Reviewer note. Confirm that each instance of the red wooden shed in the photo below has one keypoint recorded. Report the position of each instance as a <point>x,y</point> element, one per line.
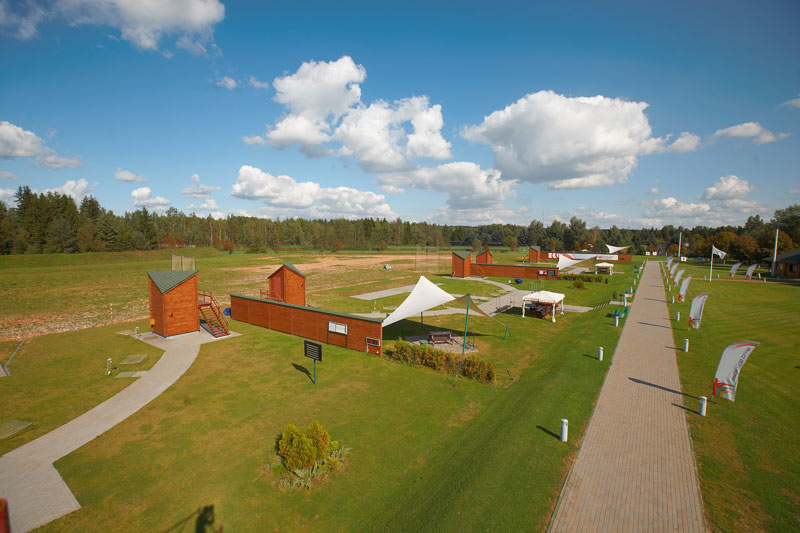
<point>484,258</point>
<point>461,266</point>
<point>287,284</point>
<point>534,254</point>
<point>173,302</point>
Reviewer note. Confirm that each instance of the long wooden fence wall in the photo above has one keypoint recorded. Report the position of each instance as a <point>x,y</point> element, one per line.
<point>348,331</point>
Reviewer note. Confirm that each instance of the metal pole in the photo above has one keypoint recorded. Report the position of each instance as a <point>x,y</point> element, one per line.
<point>464,343</point>
<point>711,272</point>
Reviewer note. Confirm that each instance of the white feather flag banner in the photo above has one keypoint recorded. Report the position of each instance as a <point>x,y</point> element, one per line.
<point>678,277</point>
<point>730,366</point>
<point>749,273</point>
<point>696,311</point>
<point>734,268</point>
<point>684,288</point>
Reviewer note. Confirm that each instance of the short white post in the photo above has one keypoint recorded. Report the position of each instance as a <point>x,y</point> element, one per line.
<point>108,367</point>
<point>564,429</point>
<point>759,275</point>
<point>600,353</point>
<point>616,321</point>
<point>685,345</point>
<point>702,410</point>
<point>673,299</point>
<point>137,330</point>
<point>677,316</point>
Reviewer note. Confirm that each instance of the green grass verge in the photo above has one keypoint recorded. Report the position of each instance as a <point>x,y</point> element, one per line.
<point>54,378</point>
<point>747,451</point>
<point>425,455</point>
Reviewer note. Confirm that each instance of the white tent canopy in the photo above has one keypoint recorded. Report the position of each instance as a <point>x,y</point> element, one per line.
<point>424,296</point>
<point>615,249</point>
<point>546,298</point>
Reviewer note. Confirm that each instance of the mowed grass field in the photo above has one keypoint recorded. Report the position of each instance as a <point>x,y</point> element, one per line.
<point>747,450</point>
<point>424,454</point>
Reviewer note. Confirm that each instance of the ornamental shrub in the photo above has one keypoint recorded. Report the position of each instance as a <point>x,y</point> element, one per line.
<point>319,438</point>
<point>442,361</point>
<point>295,449</point>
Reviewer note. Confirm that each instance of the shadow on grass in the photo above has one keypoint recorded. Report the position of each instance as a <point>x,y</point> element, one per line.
<point>303,370</point>
<point>685,408</point>
<point>642,382</point>
<point>589,356</point>
<point>554,435</point>
<point>204,521</point>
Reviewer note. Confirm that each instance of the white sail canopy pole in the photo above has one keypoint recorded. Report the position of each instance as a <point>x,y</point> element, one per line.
<point>615,249</point>
<point>424,296</point>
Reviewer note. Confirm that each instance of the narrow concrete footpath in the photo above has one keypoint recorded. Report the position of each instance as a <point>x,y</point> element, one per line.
<point>635,470</point>
<point>35,491</point>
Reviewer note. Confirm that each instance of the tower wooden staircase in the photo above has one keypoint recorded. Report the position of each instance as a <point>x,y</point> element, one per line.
<point>212,314</point>
<point>474,267</point>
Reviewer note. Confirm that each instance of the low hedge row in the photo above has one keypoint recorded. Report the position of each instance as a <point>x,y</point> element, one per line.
<point>441,360</point>
<point>596,278</point>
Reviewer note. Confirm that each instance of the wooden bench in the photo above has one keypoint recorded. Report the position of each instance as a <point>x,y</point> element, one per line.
<point>440,336</point>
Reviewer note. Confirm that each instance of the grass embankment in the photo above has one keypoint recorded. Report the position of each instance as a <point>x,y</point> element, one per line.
<point>54,378</point>
<point>424,454</point>
<point>747,451</point>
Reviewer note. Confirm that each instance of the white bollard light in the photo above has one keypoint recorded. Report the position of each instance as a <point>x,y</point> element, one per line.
<point>685,345</point>
<point>673,299</point>
<point>564,429</point>
<point>677,316</point>
<point>137,330</point>
<point>600,353</point>
<point>703,402</point>
<point>616,321</point>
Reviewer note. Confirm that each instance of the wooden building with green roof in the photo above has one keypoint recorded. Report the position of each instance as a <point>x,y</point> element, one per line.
<point>173,302</point>
<point>288,285</point>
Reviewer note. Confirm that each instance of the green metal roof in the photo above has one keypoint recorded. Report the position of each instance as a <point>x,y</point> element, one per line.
<point>484,252</point>
<point>462,255</point>
<point>792,256</point>
<point>290,267</point>
<point>166,280</point>
<point>326,311</point>
<point>537,248</point>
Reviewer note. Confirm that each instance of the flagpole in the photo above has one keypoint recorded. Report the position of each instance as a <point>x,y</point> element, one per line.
<point>711,272</point>
<point>464,342</point>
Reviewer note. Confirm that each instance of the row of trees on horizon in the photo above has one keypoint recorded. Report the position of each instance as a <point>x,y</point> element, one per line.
<point>53,223</point>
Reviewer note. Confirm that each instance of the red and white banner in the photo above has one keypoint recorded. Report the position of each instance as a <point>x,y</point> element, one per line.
<point>749,273</point>
<point>684,288</point>
<point>678,277</point>
<point>696,311</point>
<point>730,365</point>
<point>581,257</point>
<point>734,268</point>
<point>672,270</point>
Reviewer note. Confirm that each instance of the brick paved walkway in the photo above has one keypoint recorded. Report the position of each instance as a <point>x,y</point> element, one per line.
<point>635,470</point>
<point>35,491</point>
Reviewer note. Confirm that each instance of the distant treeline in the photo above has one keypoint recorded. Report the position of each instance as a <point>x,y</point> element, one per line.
<point>54,223</point>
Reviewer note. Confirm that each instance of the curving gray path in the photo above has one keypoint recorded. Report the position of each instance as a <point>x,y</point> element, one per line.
<point>635,470</point>
<point>35,491</point>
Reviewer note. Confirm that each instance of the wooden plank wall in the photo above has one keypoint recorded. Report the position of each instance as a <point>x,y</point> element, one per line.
<point>295,287</point>
<point>307,322</point>
<point>520,271</point>
<point>461,267</point>
<point>156,308</point>
<point>180,308</point>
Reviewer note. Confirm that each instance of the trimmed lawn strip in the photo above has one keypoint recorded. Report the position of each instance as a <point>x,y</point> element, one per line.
<point>746,450</point>
<point>424,455</point>
<point>55,378</point>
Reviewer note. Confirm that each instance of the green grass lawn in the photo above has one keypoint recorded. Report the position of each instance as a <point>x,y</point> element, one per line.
<point>424,454</point>
<point>54,378</point>
<point>747,451</point>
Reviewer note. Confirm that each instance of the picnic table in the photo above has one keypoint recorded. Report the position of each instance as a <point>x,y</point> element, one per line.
<point>440,336</point>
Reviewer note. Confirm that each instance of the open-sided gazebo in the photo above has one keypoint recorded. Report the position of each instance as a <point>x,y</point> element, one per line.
<point>542,301</point>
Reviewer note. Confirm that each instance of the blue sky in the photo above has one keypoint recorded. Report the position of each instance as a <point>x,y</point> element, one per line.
<point>626,114</point>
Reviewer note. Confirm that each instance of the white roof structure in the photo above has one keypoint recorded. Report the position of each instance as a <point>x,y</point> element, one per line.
<point>425,295</point>
<point>545,297</point>
<point>615,249</point>
<point>605,265</point>
<point>565,262</point>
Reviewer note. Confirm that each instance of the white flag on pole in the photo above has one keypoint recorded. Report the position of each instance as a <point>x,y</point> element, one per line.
<point>719,253</point>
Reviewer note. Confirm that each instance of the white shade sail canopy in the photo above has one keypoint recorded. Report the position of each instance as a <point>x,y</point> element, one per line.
<point>565,262</point>
<point>615,249</point>
<point>424,296</point>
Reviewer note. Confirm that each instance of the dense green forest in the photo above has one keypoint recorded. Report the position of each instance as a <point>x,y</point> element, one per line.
<point>54,223</point>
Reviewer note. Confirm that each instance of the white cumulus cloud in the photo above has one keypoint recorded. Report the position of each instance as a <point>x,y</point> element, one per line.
<point>7,196</point>
<point>227,83</point>
<point>283,194</point>
<point>199,190</point>
<point>325,116</point>
<point>142,22</point>
<point>258,84</point>
<point>466,184</point>
<point>128,176</point>
<point>571,142</point>
<point>750,130</point>
<point>76,189</point>
<point>671,206</point>
<point>728,187</point>
<point>18,142</point>
<point>143,197</point>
